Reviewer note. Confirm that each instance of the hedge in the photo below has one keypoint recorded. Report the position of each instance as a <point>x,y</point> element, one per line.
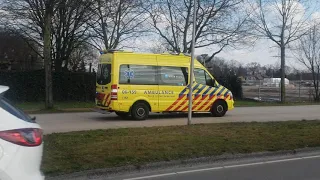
<point>30,86</point>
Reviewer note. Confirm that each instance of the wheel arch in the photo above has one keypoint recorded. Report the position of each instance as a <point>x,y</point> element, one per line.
<point>141,101</point>
<point>220,100</point>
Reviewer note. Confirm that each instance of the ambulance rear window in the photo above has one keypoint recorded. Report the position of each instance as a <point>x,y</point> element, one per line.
<point>104,74</point>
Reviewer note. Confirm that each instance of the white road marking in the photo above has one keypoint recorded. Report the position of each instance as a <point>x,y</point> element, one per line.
<point>283,160</point>
<point>223,167</point>
<point>243,165</point>
<point>199,170</point>
<point>152,176</point>
<point>311,157</point>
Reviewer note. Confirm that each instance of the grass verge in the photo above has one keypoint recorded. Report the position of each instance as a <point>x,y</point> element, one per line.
<point>77,151</point>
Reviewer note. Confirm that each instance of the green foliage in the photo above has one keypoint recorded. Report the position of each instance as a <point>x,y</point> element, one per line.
<point>233,83</point>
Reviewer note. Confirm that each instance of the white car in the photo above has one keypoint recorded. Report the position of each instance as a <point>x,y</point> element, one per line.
<point>21,143</point>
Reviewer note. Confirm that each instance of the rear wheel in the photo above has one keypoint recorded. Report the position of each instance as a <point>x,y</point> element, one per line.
<point>219,109</point>
<point>122,114</point>
<point>140,111</point>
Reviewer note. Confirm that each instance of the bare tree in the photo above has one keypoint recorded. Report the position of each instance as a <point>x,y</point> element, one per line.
<point>219,24</point>
<point>15,53</point>
<point>85,55</point>
<point>54,25</point>
<point>281,21</point>
<point>27,17</point>
<point>116,22</point>
<point>68,24</point>
<point>253,68</point>
<point>33,18</point>
<point>70,29</point>
<point>158,47</point>
<point>308,54</point>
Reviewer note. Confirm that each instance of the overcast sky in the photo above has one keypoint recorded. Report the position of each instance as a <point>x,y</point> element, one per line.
<point>264,51</point>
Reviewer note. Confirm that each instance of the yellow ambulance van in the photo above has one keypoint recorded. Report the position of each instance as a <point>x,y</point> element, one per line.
<point>135,84</point>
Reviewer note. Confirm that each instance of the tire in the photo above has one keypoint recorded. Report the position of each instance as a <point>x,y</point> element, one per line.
<point>140,111</point>
<point>123,115</point>
<point>219,109</point>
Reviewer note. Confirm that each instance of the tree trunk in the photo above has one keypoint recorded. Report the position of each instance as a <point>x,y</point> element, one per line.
<point>283,74</point>
<point>47,57</point>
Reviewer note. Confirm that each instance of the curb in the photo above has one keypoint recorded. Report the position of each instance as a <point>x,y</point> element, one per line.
<point>175,163</point>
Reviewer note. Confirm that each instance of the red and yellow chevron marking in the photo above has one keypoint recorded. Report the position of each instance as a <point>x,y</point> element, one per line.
<point>204,106</point>
<point>176,102</point>
<point>204,101</point>
<point>209,107</point>
<point>182,103</point>
<point>196,103</point>
<point>185,108</point>
<point>183,99</point>
<point>227,97</point>
<point>109,102</point>
<point>106,100</point>
<point>194,99</point>
<point>199,102</point>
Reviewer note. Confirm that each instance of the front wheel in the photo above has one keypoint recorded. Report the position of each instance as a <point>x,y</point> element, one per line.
<point>140,111</point>
<point>122,114</point>
<point>219,109</point>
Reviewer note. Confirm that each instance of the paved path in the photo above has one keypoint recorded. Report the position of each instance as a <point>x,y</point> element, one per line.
<point>85,121</point>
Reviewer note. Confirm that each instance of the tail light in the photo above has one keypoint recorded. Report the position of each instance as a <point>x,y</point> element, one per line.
<point>23,137</point>
<point>114,92</point>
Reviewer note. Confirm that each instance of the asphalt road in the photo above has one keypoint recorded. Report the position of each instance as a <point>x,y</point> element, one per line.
<point>66,122</point>
<point>286,169</point>
<point>299,166</point>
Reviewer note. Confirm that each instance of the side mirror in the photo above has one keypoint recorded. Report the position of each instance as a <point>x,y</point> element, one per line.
<point>34,118</point>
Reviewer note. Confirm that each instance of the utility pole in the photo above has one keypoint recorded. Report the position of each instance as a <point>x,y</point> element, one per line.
<point>47,53</point>
<point>192,61</point>
<point>300,86</point>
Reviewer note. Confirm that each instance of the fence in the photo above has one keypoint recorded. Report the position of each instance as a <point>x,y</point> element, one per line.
<point>296,91</point>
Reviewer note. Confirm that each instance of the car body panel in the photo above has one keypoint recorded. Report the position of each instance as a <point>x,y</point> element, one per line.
<point>18,162</point>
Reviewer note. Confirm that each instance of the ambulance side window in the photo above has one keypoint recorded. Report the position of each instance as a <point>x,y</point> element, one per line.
<point>174,76</point>
<point>202,77</point>
<point>138,74</point>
